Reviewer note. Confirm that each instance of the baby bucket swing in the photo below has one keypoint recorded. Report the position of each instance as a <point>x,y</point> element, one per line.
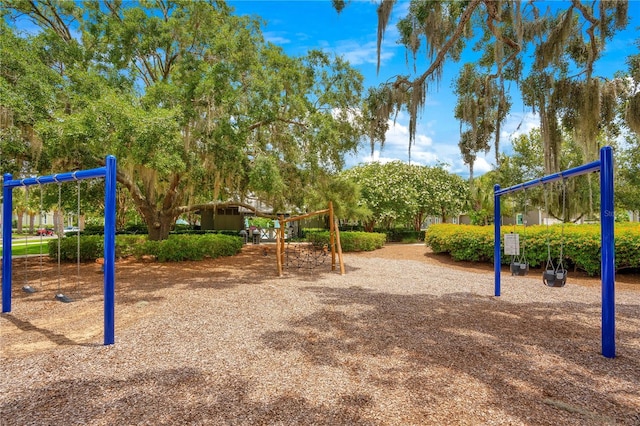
<point>555,276</point>
<point>519,265</point>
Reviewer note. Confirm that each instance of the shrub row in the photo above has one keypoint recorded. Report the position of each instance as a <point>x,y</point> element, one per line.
<point>189,231</point>
<point>581,248</point>
<point>350,241</point>
<point>175,248</point>
<point>403,235</point>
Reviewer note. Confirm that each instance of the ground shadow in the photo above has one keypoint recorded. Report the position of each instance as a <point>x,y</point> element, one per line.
<point>175,396</point>
<point>484,350</point>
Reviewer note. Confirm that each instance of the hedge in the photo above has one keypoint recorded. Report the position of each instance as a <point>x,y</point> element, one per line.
<point>403,235</point>
<point>350,241</point>
<point>581,244</point>
<point>175,248</point>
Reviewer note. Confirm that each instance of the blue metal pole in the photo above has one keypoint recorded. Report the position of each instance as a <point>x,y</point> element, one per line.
<point>60,177</point>
<point>608,253</point>
<point>109,250</point>
<point>496,238</point>
<point>576,171</point>
<point>7,207</point>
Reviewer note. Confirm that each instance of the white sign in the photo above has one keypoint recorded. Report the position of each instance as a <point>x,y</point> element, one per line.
<point>512,244</point>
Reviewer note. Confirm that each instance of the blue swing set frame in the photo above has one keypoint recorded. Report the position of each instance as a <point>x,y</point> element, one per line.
<point>605,167</point>
<point>109,174</point>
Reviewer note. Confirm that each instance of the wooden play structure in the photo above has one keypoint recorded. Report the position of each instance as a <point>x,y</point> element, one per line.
<point>334,238</point>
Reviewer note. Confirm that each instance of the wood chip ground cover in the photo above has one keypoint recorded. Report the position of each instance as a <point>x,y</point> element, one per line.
<point>404,338</point>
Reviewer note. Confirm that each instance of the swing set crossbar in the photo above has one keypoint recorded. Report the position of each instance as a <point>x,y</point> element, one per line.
<point>99,172</point>
<point>108,172</point>
<point>577,171</point>
<point>605,167</point>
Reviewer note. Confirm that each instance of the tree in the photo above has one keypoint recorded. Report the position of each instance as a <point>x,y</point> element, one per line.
<point>386,191</point>
<point>481,108</point>
<point>26,94</point>
<point>627,191</point>
<point>197,108</point>
<point>449,193</point>
<point>397,192</point>
<point>526,163</point>
<point>632,98</point>
<point>566,43</point>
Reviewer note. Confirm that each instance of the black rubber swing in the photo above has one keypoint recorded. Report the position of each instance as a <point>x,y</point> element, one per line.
<point>519,265</point>
<point>555,276</point>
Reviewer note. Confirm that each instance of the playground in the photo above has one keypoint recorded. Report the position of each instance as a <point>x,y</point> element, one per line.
<point>405,337</point>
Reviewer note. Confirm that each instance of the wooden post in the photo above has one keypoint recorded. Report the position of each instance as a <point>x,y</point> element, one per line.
<point>278,258</point>
<point>337,228</point>
<point>304,216</point>
<point>332,230</point>
<point>334,238</point>
<point>282,234</point>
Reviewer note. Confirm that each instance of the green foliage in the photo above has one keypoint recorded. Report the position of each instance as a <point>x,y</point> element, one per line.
<point>175,248</point>
<point>581,244</point>
<point>403,235</point>
<point>91,248</point>
<point>193,102</point>
<point>627,191</point>
<point>397,193</point>
<point>349,241</point>
<point>481,108</point>
<point>582,192</point>
<point>93,230</point>
<point>343,193</point>
<point>191,247</point>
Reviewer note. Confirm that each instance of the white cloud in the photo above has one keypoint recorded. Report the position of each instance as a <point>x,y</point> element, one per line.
<point>423,157</point>
<point>376,158</point>
<point>276,37</point>
<point>423,140</point>
<point>396,147</point>
<point>481,166</point>
<point>357,53</point>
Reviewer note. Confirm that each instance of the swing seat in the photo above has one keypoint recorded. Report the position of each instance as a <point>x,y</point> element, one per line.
<point>561,278</point>
<point>28,289</point>
<point>523,269</point>
<point>549,277</point>
<point>62,298</point>
<point>519,268</point>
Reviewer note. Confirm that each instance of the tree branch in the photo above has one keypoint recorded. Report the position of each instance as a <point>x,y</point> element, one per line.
<point>464,18</point>
<point>591,31</point>
<point>171,194</point>
<point>57,25</point>
<point>265,122</point>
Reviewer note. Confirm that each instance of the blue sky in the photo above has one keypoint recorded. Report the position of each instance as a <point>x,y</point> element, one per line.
<point>301,25</point>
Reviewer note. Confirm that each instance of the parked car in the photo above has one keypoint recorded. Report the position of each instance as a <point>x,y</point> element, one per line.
<point>45,232</point>
<point>70,229</point>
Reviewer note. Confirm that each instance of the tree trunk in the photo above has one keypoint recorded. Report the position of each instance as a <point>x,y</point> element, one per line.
<point>121,208</point>
<point>418,221</point>
<point>159,224</point>
<point>58,224</point>
<point>159,217</point>
<point>20,215</point>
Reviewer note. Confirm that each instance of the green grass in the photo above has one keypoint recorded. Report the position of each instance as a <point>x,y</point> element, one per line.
<point>18,248</point>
